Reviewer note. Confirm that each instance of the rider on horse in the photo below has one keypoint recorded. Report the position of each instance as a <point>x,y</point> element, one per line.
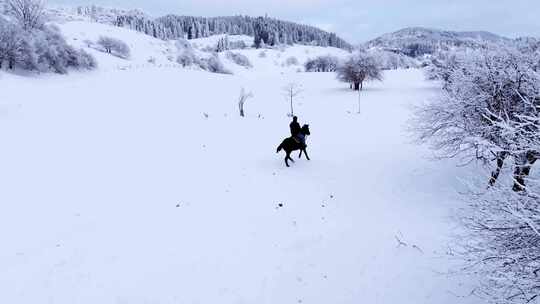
<point>296,131</point>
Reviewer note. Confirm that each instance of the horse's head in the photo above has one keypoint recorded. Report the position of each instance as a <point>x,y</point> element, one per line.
<point>305,130</point>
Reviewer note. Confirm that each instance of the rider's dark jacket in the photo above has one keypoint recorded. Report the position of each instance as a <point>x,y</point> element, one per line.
<point>295,128</point>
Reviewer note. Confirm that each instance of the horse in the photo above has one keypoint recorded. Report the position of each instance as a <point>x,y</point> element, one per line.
<point>291,144</point>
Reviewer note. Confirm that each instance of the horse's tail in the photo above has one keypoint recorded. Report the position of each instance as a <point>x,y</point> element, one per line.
<point>280,148</point>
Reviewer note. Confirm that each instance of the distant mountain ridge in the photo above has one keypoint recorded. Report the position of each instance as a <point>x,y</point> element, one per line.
<point>419,41</point>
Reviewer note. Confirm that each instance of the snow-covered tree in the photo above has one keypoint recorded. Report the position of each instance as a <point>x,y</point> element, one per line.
<point>28,13</point>
<point>265,30</point>
<point>223,44</point>
<point>486,110</point>
<point>114,46</point>
<point>326,63</point>
<point>359,68</point>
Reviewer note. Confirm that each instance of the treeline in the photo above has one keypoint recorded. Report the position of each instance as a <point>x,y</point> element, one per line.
<point>266,31</point>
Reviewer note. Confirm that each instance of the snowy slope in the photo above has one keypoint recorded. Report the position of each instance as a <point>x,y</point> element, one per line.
<point>144,185</point>
<point>164,53</point>
<point>142,47</point>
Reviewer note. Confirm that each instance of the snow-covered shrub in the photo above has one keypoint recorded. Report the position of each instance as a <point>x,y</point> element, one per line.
<point>183,44</point>
<point>151,60</point>
<point>359,68</point>
<point>322,64</point>
<point>292,61</point>
<point>213,64</point>
<point>114,46</point>
<point>187,58</point>
<point>239,59</point>
<point>237,45</point>
<point>80,60</point>
<point>501,243</point>
<point>43,49</point>
<point>262,54</point>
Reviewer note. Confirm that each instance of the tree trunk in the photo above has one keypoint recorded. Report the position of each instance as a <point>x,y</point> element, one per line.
<point>357,86</point>
<point>292,108</point>
<point>359,102</point>
<point>361,86</point>
<point>501,156</point>
<point>522,170</point>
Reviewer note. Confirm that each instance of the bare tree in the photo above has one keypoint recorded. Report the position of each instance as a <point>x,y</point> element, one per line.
<point>242,100</point>
<point>291,91</point>
<point>359,68</point>
<point>29,13</point>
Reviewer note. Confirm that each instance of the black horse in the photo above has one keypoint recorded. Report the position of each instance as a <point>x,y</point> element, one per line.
<point>291,144</point>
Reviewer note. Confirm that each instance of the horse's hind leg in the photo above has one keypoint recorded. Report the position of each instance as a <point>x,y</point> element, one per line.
<point>300,156</point>
<point>287,158</point>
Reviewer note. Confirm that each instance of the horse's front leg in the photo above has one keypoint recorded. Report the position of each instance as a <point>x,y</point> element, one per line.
<point>305,152</point>
<point>300,156</point>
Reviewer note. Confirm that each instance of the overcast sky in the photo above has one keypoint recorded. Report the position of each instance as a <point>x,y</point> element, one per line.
<point>360,20</point>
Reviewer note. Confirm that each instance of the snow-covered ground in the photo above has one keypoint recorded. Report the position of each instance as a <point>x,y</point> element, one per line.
<point>145,186</point>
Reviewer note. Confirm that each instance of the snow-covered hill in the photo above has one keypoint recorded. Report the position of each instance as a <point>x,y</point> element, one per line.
<point>147,51</point>
<point>140,183</point>
<point>418,41</point>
